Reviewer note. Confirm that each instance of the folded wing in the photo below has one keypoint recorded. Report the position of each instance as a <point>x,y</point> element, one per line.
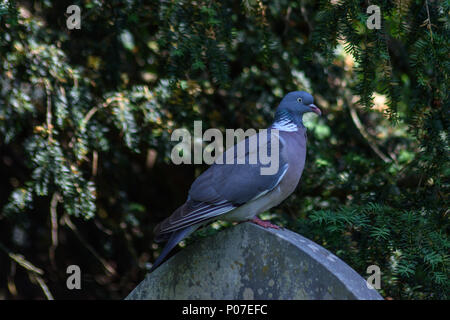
<point>224,187</point>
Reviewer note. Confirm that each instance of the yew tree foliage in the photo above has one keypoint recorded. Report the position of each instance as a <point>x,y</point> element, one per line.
<point>86,118</point>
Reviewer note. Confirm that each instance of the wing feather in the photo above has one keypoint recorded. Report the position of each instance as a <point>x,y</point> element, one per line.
<point>224,187</point>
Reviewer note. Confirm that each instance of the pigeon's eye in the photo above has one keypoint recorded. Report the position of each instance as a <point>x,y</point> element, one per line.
<point>299,100</point>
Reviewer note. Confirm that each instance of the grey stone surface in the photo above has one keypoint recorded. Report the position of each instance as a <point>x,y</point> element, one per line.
<point>250,262</point>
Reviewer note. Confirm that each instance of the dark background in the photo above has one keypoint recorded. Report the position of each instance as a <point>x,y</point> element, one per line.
<point>86,117</point>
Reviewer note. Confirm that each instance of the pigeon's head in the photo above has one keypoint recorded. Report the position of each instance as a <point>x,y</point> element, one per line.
<point>299,102</point>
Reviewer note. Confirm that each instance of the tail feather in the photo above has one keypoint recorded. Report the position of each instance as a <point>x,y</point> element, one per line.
<point>165,236</point>
<point>174,239</point>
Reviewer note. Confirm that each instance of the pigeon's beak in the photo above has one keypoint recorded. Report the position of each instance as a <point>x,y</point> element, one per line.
<point>315,109</point>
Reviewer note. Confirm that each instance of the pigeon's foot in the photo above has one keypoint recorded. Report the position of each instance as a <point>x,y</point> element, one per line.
<point>262,223</point>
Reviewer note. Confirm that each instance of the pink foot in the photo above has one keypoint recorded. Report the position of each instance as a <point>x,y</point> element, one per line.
<point>262,223</point>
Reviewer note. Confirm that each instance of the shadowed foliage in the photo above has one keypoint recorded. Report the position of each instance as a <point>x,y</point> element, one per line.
<point>86,118</point>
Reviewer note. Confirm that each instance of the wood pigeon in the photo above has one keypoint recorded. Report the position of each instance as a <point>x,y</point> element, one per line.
<point>239,192</point>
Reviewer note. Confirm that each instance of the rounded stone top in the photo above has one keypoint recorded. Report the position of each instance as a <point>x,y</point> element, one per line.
<point>249,262</point>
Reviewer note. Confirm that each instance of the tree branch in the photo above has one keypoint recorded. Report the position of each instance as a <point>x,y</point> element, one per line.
<point>54,226</point>
<point>371,141</point>
<point>34,272</point>
<point>105,264</point>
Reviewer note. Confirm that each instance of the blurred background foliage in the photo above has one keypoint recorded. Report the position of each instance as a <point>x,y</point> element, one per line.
<point>86,117</point>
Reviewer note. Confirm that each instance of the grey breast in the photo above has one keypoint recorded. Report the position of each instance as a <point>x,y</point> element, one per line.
<point>295,153</point>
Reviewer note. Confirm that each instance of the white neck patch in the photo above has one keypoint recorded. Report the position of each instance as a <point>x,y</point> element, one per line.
<point>285,124</point>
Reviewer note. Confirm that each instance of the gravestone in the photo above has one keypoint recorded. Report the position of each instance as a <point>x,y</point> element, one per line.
<point>249,262</point>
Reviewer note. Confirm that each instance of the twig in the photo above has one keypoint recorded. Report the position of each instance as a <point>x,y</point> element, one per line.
<point>94,163</point>
<point>11,284</point>
<point>49,111</point>
<point>93,110</point>
<point>429,20</point>
<point>21,261</point>
<point>372,143</point>
<point>34,272</point>
<point>89,115</point>
<point>54,224</point>
<point>105,264</point>
<point>102,228</point>
<point>287,19</point>
<point>305,16</point>
<point>43,286</point>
